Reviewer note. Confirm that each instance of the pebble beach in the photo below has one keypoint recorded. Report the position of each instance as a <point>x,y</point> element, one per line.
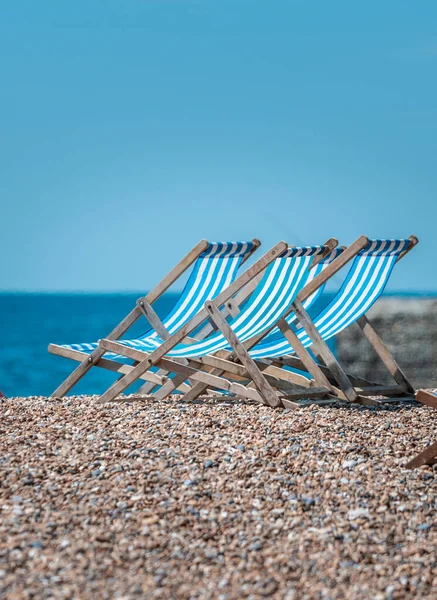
<point>216,498</point>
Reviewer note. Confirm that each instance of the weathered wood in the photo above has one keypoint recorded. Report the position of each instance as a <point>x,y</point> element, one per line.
<point>296,363</point>
<point>285,403</point>
<point>303,354</point>
<point>119,386</point>
<point>381,390</point>
<point>189,372</point>
<point>106,363</point>
<point>365,401</point>
<point>153,318</point>
<point>329,247</point>
<point>171,385</point>
<point>414,241</point>
<point>427,398</point>
<point>426,457</point>
<point>384,354</point>
<point>233,308</point>
<point>267,392</point>
<point>160,329</point>
<point>304,393</point>
<point>324,351</point>
<point>278,378</point>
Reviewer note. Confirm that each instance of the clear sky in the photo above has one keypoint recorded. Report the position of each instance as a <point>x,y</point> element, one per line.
<point>130,129</point>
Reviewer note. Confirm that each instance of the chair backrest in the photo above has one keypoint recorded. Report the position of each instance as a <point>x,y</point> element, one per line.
<point>363,285</point>
<point>308,302</point>
<point>281,282</point>
<point>213,271</point>
<point>313,273</point>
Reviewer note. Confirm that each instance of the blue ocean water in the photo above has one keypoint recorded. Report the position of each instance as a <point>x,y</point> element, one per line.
<point>29,322</point>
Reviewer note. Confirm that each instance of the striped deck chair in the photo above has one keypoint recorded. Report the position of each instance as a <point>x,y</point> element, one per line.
<point>214,268</point>
<point>428,456</point>
<point>372,264</point>
<point>319,265</point>
<point>366,279</point>
<point>285,271</point>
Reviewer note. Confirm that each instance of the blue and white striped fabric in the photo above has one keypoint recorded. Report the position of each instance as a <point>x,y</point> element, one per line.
<point>364,283</point>
<point>214,270</point>
<point>275,334</point>
<point>314,272</point>
<point>281,282</point>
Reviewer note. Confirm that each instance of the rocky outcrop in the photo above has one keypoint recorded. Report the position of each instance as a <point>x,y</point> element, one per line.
<point>408,326</point>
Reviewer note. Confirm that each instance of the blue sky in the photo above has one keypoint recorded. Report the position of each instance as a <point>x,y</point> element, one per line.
<point>130,130</point>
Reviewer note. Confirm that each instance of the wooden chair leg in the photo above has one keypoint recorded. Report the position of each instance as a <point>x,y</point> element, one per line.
<point>384,354</point>
<point>427,398</point>
<point>312,368</point>
<point>323,350</point>
<point>263,387</point>
<point>426,457</point>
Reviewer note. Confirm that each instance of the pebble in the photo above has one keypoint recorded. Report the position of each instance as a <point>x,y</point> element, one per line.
<point>214,499</point>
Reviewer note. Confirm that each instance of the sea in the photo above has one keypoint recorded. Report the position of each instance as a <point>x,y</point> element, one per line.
<point>30,321</point>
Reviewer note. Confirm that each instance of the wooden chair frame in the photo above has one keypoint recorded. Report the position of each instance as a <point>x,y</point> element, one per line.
<point>143,308</point>
<point>347,386</point>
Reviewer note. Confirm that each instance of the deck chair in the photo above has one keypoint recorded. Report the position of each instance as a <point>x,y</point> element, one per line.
<point>285,272</point>
<point>428,456</point>
<point>319,264</point>
<point>372,264</point>
<point>365,282</point>
<point>214,268</point>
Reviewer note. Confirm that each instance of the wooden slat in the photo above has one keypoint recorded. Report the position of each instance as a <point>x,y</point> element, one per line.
<point>427,398</point>
<point>365,401</point>
<point>414,241</point>
<point>384,354</point>
<point>267,392</point>
<point>426,457</point>
<point>324,351</point>
<point>315,392</point>
<point>95,356</point>
<point>303,354</point>
<point>296,363</point>
<point>106,363</point>
<point>190,373</point>
<point>383,390</point>
<point>153,318</point>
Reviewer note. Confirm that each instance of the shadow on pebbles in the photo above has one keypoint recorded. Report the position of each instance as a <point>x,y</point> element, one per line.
<point>214,499</point>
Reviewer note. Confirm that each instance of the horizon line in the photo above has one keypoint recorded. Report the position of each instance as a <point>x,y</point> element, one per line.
<point>12,292</point>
